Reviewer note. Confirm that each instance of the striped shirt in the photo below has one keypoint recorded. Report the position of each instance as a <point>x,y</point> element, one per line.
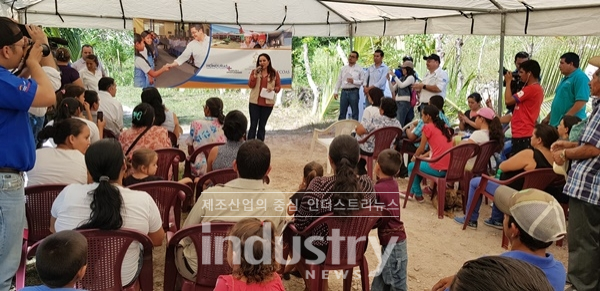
<point>584,177</point>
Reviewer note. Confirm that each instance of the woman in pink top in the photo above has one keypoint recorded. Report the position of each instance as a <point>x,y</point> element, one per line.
<point>439,138</point>
<point>247,275</point>
<point>142,126</point>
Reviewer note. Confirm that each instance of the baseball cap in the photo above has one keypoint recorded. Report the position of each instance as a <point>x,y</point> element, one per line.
<point>407,64</point>
<point>537,212</point>
<point>10,31</point>
<point>595,61</point>
<point>432,57</point>
<point>486,113</point>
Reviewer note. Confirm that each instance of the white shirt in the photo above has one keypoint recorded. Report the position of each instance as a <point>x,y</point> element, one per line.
<point>94,132</point>
<point>139,212</point>
<point>90,81</point>
<point>355,72</point>
<point>169,122</point>
<point>195,49</point>
<point>479,136</point>
<point>439,78</point>
<point>113,112</point>
<point>142,64</point>
<point>368,114</point>
<point>80,65</point>
<point>57,166</point>
<point>54,76</point>
<point>399,84</point>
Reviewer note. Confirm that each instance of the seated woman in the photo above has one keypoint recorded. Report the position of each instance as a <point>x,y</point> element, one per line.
<point>71,108</point>
<point>374,96</point>
<point>205,131</point>
<point>64,164</point>
<point>341,188</point>
<point>538,157</point>
<point>386,117</point>
<point>91,98</point>
<point>143,133</point>
<point>565,125</point>
<point>107,205</point>
<point>439,138</point>
<point>162,116</point>
<point>489,129</point>
<point>234,127</point>
<point>467,120</point>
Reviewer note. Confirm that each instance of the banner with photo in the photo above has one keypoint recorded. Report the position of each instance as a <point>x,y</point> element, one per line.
<point>192,55</point>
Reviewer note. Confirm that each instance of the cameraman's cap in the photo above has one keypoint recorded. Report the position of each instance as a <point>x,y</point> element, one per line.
<point>537,212</point>
<point>432,57</point>
<point>10,32</point>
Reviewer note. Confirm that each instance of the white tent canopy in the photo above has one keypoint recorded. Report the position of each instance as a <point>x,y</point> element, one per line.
<point>328,17</point>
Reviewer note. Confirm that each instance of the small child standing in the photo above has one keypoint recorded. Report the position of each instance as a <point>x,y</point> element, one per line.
<point>247,276</point>
<point>392,236</point>
<point>144,163</point>
<point>61,261</point>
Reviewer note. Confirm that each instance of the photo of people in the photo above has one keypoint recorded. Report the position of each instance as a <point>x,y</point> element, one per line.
<point>236,38</point>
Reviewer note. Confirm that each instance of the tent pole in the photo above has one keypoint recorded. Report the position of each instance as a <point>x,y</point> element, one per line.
<point>21,16</point>
<point>351,34</point>
<point>501,66</point>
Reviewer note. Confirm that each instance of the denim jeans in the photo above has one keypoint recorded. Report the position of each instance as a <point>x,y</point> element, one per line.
<point>349,98</point>
<point>12,223</point>
<point>393,268</point>
<point>490,188</point>
<point>425,168</point>
<point>402,112</point>
<point>258,118</point>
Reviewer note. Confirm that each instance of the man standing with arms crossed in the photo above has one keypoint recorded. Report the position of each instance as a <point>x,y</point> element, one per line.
<point>349,80</point>
<point>17,156</point>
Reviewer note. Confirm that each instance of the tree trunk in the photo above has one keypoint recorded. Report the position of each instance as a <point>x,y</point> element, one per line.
<point>481,55</point>
<point>341,54</point>
<point>312,84</point>
<point>460,76</point>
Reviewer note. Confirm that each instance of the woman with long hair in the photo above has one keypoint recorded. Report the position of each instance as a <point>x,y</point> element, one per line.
<point>71,108</point>
<point>264,81</point>
<point>105,204</point>
<point>143,133</point>
<point>403,89</point>
<point>439,137</point>
<point>207,130</point>
<point>490,128</point>
<point>144,73</point>
<point>162,116</point>
<point>467,120</point>
<point>64,164</point>
<point>340,189</point>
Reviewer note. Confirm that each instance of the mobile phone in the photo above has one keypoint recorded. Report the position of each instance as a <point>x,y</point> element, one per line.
<point>100,116</point>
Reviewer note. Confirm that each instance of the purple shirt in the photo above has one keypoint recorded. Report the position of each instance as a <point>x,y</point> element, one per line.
<point>68,75</point>
<point>386,191</point>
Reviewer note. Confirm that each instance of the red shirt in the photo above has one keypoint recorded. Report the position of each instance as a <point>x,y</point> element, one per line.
<point>386,191</point>
<point>438,144</point>
<point>527,110</point>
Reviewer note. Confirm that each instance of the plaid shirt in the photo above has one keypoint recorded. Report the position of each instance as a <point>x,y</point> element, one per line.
<point>584,178</point>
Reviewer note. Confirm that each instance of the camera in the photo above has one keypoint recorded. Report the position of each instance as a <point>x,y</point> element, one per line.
<point>516,85</point>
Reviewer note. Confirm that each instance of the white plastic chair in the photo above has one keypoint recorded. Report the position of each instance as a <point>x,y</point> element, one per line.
<point>338,128</point>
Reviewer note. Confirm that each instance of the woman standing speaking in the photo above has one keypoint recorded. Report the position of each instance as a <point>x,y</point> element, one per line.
<point>265,83</point>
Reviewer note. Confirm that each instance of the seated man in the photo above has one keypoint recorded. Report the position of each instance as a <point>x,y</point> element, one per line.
<point>61,261</point>
<point>533,219</point>
<point>240,198</point>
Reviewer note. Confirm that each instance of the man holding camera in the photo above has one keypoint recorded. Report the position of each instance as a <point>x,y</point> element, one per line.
<point>17,95</point>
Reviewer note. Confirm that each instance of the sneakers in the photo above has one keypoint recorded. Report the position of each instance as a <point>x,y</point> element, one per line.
<point>492,223</point>
<point>461,221</point>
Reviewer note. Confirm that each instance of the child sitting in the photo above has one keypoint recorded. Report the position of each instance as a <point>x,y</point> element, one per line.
<point>61,261</point>
<point>392,236</point>
<point>144,165</point>
<point>247,276</point>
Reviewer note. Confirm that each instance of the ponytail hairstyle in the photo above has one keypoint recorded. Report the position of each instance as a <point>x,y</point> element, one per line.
<point>344,153</point>
<point>66,109</point>
<point>63,55</point>
<point>311,171</point>
<point>61,130</point>
<point>151,96</point>
<point>142,115</point>
<point>148,47</point>
<point>104,160</point>
<point>215,106</point>
<point>496,132</point>
<point>434,113</point>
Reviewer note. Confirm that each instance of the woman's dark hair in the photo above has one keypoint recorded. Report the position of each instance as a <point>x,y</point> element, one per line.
<point>270,70</point>
<point>235,125</point>
<point>148,47</point>
<point>66,109</point>
<point>500,274</point>
<point>495,131</point>
<point>311,171</point>
<point>434,113</point>
<point>547,133</point>
<point>409,71</point>
<point>376,94</point>
<point>151,96</point>
<point>476,96</point>
<point>142,115</point>
<point>137,39</point>
<point>569,121</point>
<point>344,153</point>
<point>104,160</point>
<point>72,90</point>
<point>91,97</point>
<point>60,131</point>
<point>93,58</point>
<point>389,107</point>
<point>527,240</point>
<point>215,106</point>
<point>63,54</point>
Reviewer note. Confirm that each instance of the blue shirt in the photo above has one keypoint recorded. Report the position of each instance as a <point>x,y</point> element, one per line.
<point>554,270</point>
<point>572,88</point>
<point>46,288</point>
<point>16,136</point>
<point>377,76</point>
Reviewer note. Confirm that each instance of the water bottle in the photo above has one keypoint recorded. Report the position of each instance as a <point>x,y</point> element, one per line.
<point>498,174</point>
